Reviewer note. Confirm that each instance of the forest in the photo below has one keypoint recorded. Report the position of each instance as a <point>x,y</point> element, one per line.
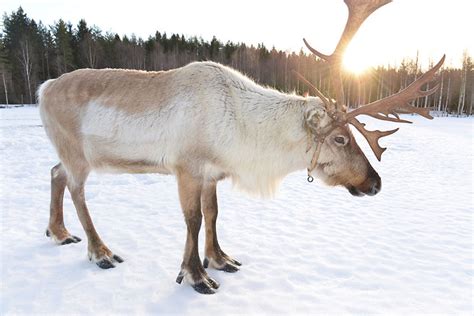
<point>31,52</point>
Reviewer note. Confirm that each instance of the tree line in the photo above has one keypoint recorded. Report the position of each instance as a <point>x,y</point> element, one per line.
<point>32,52</point>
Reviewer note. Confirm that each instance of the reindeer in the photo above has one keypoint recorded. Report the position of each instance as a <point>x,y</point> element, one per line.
<point>203,123</point>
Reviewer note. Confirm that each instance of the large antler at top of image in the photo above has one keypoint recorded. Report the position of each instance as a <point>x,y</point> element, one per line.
<point>384,109</point>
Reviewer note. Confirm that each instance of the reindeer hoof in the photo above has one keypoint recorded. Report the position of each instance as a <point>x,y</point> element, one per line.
<point>67,241</point>
<point>228,268</point>
<point>117,258</point>
<point>203,288</point>
<point>105,264</point>
<point>235,262</point>
<point>71,240</point>
<point>213,283</point>
<point>180,277</point>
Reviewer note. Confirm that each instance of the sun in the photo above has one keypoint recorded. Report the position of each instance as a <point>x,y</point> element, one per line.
<point>354,65</point>
<point>357,61</point>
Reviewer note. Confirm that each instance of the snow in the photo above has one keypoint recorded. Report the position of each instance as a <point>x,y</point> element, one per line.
<point>311,250</point>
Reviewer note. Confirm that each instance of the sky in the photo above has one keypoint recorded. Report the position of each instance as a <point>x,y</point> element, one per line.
<point>398,30</point>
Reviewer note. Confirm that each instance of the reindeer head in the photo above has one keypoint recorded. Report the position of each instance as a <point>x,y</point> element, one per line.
<point>337,158</point>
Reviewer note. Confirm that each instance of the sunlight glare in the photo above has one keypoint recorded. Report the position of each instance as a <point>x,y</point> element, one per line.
<point>357,59</point>
<point>355,64</point>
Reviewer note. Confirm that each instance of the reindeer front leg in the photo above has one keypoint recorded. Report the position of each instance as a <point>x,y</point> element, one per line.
<point>215,257</point>
<point>190,197</point>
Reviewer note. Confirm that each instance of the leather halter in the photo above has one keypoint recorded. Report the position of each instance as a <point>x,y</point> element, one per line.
<point>319,139</point>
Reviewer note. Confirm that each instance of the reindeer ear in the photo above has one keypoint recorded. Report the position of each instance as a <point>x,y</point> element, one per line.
<point>314,118</point>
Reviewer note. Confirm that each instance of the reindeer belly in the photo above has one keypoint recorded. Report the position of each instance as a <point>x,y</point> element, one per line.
<point>119,142</point>
<point>108,155</point>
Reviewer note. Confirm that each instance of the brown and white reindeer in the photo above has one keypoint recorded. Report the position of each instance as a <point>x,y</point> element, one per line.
<point>203,123</point>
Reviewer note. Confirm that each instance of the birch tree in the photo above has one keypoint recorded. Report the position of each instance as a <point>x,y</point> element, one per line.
<point>4,81</point>
<point>26,61</point>
<point>3,70</point>
<point>466,70</point>
<point>441,91</point>
<point>462,93</point>
<point>448,95</point>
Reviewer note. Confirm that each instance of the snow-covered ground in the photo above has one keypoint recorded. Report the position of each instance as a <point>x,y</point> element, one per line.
<point>311,250</point>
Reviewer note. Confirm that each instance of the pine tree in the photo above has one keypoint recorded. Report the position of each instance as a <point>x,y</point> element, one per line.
<point>46,51</point>
<point>21,42</point>
<point>31,53</point>
<point>64,53</point>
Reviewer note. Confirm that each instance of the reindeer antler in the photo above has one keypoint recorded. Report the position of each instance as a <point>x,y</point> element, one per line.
<point>393,105</point>
<point>399,102</point>
<point>359,10</point>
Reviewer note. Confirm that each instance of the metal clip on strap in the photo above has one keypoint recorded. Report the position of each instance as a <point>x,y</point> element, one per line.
<point>314,160</point>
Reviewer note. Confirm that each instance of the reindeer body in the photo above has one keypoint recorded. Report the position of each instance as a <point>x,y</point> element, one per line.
<point>204,117</point>
<point>202,122</point>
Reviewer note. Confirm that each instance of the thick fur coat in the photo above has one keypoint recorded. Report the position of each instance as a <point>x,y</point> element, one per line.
<point>204,117</point>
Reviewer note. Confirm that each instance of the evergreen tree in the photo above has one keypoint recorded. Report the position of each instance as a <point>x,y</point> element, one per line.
<point>5,73</point>
<point>214,48</point>
<point>19,45</point>
<point>31,52</point>
<point>63,38</point>
<point>46,51</point>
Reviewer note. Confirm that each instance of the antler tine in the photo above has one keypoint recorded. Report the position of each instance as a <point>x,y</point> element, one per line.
<point>400,102</point>
<point>386,109</point>
<point>373,137</point>
<point>359,10</point>
<point>394,105</point>
<point>318,93</point>
<point>314,51</point>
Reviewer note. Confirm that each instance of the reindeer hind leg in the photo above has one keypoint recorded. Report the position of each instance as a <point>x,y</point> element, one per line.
<point>56,229</point>
<point>97,250</point>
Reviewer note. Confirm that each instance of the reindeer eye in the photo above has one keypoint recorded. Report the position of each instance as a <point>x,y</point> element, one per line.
<point>341,140</point>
